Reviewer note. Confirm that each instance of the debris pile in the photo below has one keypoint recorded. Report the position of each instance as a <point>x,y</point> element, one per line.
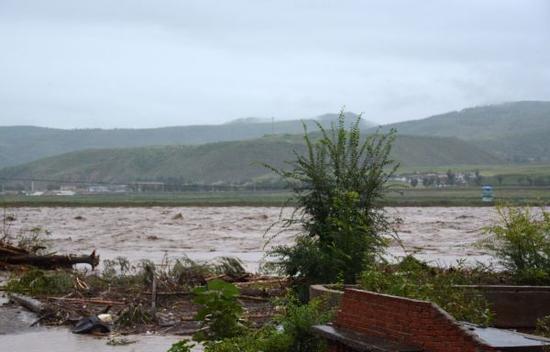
<point>144,297</point>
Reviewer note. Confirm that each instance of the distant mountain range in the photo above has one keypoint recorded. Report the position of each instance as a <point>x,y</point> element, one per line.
<point>516,132</point>
<point>497,134</point>
<point>21,144</point>
<point>222,162</point>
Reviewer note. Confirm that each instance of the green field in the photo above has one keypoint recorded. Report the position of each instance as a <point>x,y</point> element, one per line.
<point>487,170</point>
<point>470,196</point>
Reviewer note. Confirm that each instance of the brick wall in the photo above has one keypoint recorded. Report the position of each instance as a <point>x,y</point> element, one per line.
<point>407,321</point>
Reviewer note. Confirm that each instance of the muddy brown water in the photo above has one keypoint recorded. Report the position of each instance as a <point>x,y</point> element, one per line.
<point>434,233</point>
<point>441,235</point>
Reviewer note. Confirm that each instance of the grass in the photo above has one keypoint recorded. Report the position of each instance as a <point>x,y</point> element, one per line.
<point>468,196</point>
<point>272,198</point>
<point>459,196</point>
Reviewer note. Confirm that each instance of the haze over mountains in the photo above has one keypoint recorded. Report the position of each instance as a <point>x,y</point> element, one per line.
<point>518,131</point>
<point>237,161</point>
<point>497,134</point>
<point>21,144</point>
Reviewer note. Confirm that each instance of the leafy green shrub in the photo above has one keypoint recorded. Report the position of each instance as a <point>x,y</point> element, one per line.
<point>338,184</point>
<point>521,241</point>
<point>181,346</point>
<point>267,339</point>
<point>40,282</point>
<point>220,312</point>
<point>414,279</point>
<point>290,332</point>
<point>297,322</point>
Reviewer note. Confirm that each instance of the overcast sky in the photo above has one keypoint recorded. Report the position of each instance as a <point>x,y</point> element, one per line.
<point>138,63</point>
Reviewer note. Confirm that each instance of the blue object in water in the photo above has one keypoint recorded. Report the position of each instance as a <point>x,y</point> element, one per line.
<point>487,193</point>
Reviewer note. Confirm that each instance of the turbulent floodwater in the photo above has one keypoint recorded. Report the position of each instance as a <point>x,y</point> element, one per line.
<point>440,235</point>
<point>434,233</point>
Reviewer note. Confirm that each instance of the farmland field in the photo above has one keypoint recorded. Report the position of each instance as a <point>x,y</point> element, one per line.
<point>452,196</point>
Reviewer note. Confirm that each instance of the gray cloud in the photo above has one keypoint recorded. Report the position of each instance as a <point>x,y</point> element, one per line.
<point>151,63</point>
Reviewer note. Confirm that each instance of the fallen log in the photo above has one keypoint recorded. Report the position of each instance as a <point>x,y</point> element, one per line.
<point>51,261</point>
<point>28,302</point>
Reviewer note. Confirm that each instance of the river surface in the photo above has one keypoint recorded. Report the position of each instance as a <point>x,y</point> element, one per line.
<point>440,234</point>
<point>437,234</point>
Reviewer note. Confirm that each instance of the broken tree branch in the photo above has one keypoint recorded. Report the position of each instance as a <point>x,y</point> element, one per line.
<point>51,261</point>
<point>87,300</point>
<point>28,302</point>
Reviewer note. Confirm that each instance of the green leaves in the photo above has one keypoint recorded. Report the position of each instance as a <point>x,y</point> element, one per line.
<point>521,240</point>
<point>220,312</point>
<point>415,279</point>
<point>181,346</point>
<point>338,184</point>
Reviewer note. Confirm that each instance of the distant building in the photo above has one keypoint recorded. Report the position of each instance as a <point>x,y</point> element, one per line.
<point>108,189</point>
<point>148,186</point>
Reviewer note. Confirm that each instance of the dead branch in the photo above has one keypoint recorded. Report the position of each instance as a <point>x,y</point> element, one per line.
<point>51,261</point>
<point>87,300</point>
<point>28,302</point>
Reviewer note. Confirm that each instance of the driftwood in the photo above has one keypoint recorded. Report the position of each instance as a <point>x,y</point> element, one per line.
<point>50,261</point>
<point>30,303</point>
<point>8,250</point>
<point>88,301</point>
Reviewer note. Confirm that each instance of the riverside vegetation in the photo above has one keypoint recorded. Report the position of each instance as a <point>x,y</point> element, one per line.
<point>338,187</point>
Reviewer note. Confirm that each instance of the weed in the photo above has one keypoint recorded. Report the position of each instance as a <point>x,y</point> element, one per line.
<point>521,241</point>
<point>229,266</point>
<point>415,279</point>
<point>290,332</point>
<point>34,240</point>
<point>134,315</point>
<point>40,282</point>
<point>181,346</point>
<point>220,312</point>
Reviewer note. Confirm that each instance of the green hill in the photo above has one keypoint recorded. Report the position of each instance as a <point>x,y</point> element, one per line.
<point>21,144</point>
<point>516,132</point>
<point>224,161</point>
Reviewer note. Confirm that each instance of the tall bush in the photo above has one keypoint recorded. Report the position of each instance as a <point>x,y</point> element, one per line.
<point>337,184</point>
<point>521,241</point>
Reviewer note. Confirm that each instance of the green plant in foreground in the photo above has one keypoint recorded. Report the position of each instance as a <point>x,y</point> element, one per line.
<point>290,332</point>
<point>220,311</point>
<point>414,279</point>
<point>521,241</point>
<point>337,184</point>
<point>181,346</point>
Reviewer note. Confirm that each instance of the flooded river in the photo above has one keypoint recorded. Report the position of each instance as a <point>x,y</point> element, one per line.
<point>437,234</point>
<point>433,233</point>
